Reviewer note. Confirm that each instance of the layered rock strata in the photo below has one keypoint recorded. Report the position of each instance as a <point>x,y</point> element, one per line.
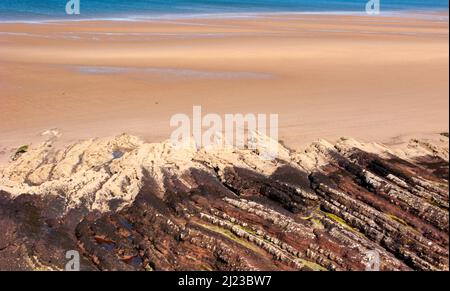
<point>124,204</point>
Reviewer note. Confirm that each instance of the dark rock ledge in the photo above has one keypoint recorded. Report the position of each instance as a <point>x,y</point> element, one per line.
<point>322,209</point>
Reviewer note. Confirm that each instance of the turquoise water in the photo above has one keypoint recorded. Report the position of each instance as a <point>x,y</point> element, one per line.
<point>110,9</point>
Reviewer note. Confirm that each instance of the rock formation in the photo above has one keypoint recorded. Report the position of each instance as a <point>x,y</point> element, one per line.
<point>125,204</point>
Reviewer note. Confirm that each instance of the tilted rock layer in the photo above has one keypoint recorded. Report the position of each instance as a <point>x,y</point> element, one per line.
<point>124,204</point>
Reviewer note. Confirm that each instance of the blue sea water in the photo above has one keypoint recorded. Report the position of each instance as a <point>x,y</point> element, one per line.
<point>30,10</point>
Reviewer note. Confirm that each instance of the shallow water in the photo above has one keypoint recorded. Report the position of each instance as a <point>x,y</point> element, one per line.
<point>32,10</point>
<point>171,72</point>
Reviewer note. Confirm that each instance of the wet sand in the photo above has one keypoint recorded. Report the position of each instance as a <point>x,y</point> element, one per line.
<point>371,78</point>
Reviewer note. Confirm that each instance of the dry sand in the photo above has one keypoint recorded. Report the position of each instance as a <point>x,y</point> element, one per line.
<point>371,78</point>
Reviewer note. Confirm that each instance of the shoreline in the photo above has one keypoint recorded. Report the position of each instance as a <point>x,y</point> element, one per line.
<point>231,15</point>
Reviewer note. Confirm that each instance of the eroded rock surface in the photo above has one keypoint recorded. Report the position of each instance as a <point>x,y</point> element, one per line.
<point>129,205</point>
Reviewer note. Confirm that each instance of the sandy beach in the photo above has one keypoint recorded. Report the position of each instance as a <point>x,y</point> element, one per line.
<point>327,76</point>
<point>357,178</point>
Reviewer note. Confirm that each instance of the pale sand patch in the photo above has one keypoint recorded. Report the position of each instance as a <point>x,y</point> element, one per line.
<point>371,78</point>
